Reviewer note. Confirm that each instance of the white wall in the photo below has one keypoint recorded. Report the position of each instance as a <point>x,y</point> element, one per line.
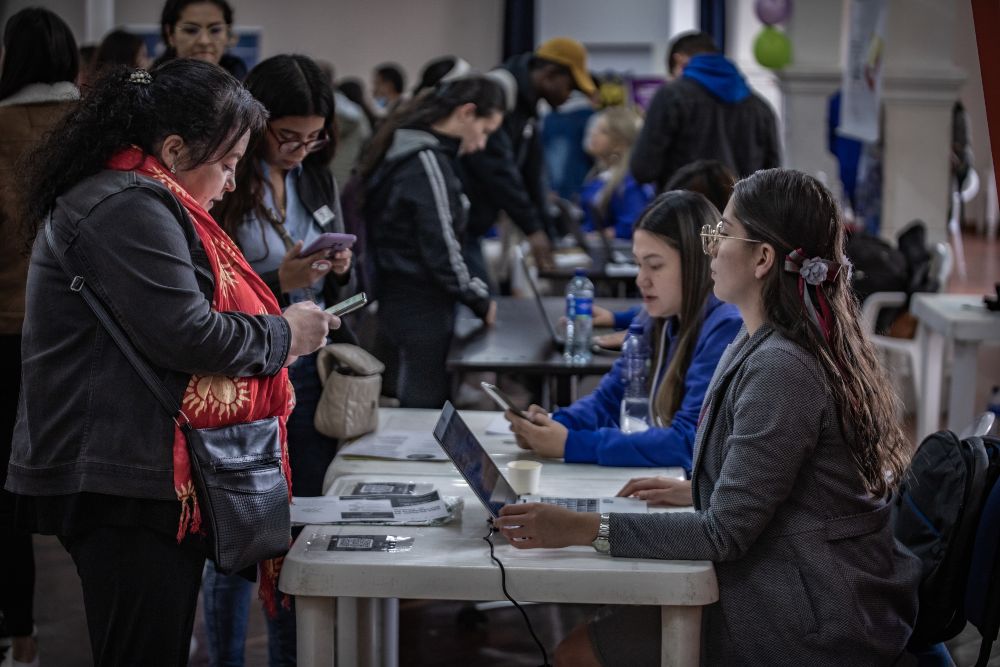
<point>356,36</point>
<point>624,36</point>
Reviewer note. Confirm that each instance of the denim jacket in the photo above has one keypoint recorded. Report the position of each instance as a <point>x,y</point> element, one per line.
<point>86,422</point>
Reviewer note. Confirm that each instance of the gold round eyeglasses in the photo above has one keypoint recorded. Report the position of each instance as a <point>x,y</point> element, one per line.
<point>711,235</point>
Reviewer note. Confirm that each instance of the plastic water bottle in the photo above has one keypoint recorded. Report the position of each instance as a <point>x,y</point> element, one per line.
<point>634,416</point>
<point>579,318</point>
<point>994,404</point>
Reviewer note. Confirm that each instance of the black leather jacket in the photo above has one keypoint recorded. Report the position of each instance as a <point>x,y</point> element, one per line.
<point>86,422</point>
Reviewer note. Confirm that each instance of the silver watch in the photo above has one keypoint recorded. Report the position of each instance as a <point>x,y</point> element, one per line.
<point>602,543</point>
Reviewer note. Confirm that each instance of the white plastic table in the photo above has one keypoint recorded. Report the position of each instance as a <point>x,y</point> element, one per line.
<point>501,448</point>
<point>963,321</point>
<point>372,615</point>
<point>452,563</point>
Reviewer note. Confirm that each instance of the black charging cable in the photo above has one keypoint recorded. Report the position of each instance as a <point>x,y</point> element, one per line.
<point>503,585</point>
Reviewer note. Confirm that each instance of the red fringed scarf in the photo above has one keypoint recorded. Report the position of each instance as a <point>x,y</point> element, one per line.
<point>216,400</point>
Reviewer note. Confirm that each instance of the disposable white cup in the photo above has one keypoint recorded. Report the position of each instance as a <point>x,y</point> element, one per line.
<point>524,476</point>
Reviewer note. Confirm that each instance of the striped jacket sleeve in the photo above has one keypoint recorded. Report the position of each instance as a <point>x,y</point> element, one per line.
<point>434,220</point>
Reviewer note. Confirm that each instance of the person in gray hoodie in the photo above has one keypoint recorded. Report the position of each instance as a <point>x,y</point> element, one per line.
<point>415,212</point>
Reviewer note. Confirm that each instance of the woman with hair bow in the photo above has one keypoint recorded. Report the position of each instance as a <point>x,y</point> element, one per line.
<point>797,454</point>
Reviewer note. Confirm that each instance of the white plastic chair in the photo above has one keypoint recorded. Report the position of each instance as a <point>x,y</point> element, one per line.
<point>910,348</point>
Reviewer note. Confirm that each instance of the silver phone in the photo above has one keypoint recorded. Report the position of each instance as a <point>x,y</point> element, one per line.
<point>346,306</point>
<point>503,400</point>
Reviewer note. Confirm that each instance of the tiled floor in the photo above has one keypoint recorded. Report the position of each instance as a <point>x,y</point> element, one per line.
<point>433,633</point>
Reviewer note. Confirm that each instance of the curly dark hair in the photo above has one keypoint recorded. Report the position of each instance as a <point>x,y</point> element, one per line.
<point>208,108</point>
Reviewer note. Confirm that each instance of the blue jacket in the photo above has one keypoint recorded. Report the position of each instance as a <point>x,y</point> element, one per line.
<point>628,201</point>
<point>594,434</point>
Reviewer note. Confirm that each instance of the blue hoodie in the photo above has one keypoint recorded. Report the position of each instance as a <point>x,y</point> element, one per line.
<point>719,76</point>
<point>594,434</point>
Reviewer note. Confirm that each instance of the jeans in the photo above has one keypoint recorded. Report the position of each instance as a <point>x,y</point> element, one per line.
<point>227,599</point>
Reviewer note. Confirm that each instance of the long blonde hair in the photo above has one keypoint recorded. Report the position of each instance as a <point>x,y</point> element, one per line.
<point>623,126</point>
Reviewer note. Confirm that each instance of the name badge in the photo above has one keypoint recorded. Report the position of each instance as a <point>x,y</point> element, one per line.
<point>323,215</point>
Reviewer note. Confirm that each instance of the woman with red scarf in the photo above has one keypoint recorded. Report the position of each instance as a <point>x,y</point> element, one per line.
<point>127,181</point>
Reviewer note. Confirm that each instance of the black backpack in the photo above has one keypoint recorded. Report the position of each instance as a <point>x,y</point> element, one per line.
<point>935,515</point>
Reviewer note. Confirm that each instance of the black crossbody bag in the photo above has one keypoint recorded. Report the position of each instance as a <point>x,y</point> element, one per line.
<point>236,469</point>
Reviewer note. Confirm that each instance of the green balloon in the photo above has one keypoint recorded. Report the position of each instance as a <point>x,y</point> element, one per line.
<point>772,48</point>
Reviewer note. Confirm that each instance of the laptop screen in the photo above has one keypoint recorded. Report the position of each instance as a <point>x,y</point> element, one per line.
<point>472,461</point>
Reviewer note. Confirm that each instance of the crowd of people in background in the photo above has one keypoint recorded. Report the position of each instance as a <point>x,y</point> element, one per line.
<point>182,181</point>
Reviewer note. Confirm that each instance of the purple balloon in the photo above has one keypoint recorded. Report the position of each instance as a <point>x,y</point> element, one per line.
<point>771,12</point>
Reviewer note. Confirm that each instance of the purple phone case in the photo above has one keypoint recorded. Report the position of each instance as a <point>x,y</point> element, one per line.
<point>330,240</point>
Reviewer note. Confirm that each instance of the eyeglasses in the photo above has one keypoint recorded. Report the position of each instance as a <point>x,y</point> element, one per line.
<point>711,236</point>
<point>289,147</point>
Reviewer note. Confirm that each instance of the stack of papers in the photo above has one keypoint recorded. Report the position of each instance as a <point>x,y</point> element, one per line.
<point>380,503</point>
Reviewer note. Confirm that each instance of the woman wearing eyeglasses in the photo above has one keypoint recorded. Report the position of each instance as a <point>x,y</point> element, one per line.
<point>199,29</point>
<point>797,456</point>
<point>285,197</point>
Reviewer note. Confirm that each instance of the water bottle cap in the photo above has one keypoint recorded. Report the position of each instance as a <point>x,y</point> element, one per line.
<point>579,271</point>
<point>635,328</point>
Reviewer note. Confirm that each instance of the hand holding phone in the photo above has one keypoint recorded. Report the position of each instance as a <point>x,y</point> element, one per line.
<point>348,305</point>
<point>503,400</point>
<point>331,241</point>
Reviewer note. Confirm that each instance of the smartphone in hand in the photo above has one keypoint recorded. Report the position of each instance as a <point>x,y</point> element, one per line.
<point>331,241</point>
<point>346,306</point>
<point>503,400</point>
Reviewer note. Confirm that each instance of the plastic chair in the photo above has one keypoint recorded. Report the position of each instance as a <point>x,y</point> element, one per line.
<point>910,348</point>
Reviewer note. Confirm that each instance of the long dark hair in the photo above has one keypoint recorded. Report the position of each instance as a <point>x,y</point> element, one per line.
<point>791,210</point>
<point>286,86</point>
<point>38,48</point>
<point>677,217</point>
<point>429,107</point>
<point>205,106</point>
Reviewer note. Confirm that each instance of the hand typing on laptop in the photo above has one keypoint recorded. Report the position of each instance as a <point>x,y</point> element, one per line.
<point>659,491</point>
<point>543,435</point>
<point>538,525</point>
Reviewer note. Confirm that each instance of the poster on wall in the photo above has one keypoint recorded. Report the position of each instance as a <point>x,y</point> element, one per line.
<point>246,46</point>
<point>862,84</point>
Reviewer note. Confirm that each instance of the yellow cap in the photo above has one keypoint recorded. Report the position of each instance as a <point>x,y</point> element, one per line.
<point>572,54</point>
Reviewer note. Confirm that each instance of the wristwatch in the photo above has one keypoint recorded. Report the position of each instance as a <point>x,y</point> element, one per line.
<point>602,543</point>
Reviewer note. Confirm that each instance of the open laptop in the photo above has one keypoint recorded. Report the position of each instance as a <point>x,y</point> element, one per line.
<point>492,489</point>
<point>558,340</point>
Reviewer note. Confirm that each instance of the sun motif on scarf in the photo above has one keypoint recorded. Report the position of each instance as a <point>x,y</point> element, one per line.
<point>225,396</point>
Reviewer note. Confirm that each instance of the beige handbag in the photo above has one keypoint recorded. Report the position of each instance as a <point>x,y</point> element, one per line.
<point>352,382</point>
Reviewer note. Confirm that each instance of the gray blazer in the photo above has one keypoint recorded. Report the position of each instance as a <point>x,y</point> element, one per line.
<point>809,572</point>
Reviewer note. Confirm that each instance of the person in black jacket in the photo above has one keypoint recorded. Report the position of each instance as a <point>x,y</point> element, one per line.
<point>510,174</point>
<point>707,112</point>
<point>285,197</point>
<point>415,212</point>
<point>126,180</point>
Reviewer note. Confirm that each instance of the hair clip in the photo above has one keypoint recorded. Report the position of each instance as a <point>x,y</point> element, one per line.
<point>141,77</point>
<point>815,270</point>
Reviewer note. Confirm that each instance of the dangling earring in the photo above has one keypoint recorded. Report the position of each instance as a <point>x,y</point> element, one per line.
<point>173,168</point>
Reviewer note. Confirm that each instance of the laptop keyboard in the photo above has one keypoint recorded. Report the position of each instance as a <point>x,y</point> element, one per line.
<point>573,504</point>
